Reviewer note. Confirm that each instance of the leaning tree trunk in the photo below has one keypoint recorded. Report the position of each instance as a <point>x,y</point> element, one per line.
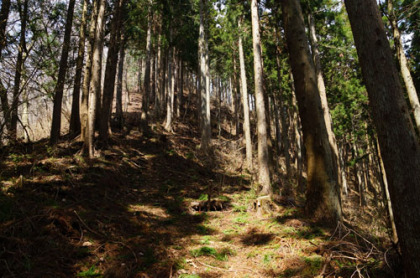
<point>404,68</point>
<point>75,106</point>
<point>398,143</point>
<point>58,96</point>
<point>110,72</point>
<point>263,157</point>
<point>245,101</point>
<point>323,202</point>
<point>323,93</point>
<point>94,80</point>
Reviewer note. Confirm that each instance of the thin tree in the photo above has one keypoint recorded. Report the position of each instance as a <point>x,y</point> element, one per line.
<point>75,106</point>
<point>87,73</point>
<point>4,15</point>
<point>147,75</point>
<point>400,149</point>
<point>119,104</point>
<point>23,13</point>
<point>204,93</point>
<point>263,156</point>
<point>244,91</point>
<point>59,88</point>
<point>322,197</point>
<point>110,72</point>
<point>404,68</point>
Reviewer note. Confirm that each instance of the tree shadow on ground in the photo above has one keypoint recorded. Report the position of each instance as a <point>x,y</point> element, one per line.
<point>121,215</point>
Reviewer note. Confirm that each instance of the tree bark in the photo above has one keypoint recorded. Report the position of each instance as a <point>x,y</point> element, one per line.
<point>88,73</point>
<point>245,101</point>
<point>75,106</point>
<point>404,68</point>
<point>323,202</point>
<point>398,143</point>
<point>119,103</point>
<point>204,93</point>
<point>4,15</point>
<point>58,95</point>
<point>147,79</point>
<point>323,93</point>
<point>110,72</point>
<point>94,85</point>
<point>263,157</point>
<point>19,69</point>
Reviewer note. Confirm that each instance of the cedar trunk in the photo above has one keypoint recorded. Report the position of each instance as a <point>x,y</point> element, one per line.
<point>58,96</point>
<point>322,197</point>
<point>398,143</point>
<point>75,106</point>
<point>263,156</point>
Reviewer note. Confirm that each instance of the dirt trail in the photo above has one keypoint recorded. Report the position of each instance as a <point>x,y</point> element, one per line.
<point>128,214</point>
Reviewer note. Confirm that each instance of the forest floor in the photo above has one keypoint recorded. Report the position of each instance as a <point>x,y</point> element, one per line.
<point>137,211</point>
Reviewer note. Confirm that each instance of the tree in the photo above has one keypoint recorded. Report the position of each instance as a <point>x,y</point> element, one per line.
<point>244,91</point>
<point>75,107</point>
<point>147,75</point>
<point>58,96</point>
<point>110,71</point>
<point>203,75</point>
<point>94,84</point>
<point>263,157</point>
<point>404,67</point>
<point>87,75</point>
<point>400,149</point>
<point>23,13</point>
<point>4,15</point>
<point>322,196</point>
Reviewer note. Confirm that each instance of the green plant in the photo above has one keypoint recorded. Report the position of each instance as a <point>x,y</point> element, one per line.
<point>267,258</point>
<point>189,276</point>
<point>91,272</point>
<point>222,255</point>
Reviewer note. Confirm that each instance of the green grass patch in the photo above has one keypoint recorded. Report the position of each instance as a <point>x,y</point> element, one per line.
<point>222,255</point>
<point>91,272</point>
<point>242,219</point>
<point>189,276</point>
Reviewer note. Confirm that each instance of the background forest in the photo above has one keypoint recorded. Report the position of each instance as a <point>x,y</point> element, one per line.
<point>209,138</point>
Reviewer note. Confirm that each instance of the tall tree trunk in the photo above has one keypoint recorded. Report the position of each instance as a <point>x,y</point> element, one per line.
<point>119,103</point>
<point>323,202</point>
<point>404,68</point>
<point>399,146</point>
<point>283,113</point>
<point>88,73</point>
<point>59,88</point>
<point>245,101</point>
<point>95,79</point>
<point>147,79</point>
<point>263,157</point>
<point>180,89</point>
<point>204,93</point>
<point>4,15</point>
<point>75,106</point>
<point>323,93</point>
<point>110,72</point>
<point>19,68</point>
<point>170,90</point>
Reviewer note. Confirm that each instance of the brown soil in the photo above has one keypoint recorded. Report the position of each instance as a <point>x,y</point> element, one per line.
<point>129,213</point>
